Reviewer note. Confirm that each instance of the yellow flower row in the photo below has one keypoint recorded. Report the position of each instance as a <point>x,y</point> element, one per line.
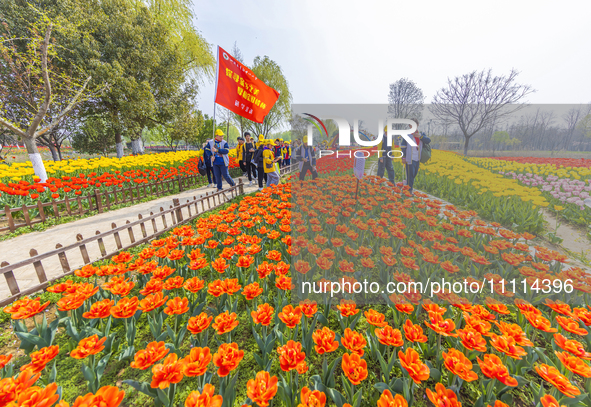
<point>18,171</point>
<point>461,171</point>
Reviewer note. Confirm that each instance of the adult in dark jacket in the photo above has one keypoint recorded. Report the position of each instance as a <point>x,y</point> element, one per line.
<point>258,160</point>
<point>306,157</point>
<point>385,162</point>
<point>249,150</point>
<point>412,155</point>
<point>208,167</point>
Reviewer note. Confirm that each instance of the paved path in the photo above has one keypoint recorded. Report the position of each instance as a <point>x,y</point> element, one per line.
<point>18,248</point>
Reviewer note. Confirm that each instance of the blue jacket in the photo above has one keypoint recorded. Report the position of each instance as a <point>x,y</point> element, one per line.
<point>207,154</point>
<point>407,148</point>
<point>222,152</point>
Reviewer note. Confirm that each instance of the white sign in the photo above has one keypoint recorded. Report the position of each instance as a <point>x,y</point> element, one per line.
<point>359,167</point>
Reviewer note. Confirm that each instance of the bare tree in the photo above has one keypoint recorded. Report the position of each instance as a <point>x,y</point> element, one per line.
<point>405,100</point>
<point>571,119</point>
<point>476,99</point>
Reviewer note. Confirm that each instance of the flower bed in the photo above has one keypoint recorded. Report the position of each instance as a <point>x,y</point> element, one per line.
<point>495,197</point>
<point>192,318</point>
<point>565,183</point>
<point>73,177</point>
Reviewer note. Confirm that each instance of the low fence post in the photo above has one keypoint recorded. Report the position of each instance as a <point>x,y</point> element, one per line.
<point>38,267</point>
<point>9,217</point>
<point>240,187</point>
<point>178,211</point>
<point>99,203</point>
<point>10,280</point>
<point>63,259</point>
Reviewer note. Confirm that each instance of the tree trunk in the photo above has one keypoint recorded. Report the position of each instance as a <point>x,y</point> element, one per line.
<point>53,150</point>
<point>467,140</point>
<point>118,145</point>
<point>59,152</point>
<point>35,157</point>
<point>137,147</point>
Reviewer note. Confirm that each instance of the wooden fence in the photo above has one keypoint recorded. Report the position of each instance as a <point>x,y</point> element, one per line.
<point>194,207</point>
<point>100,201</point>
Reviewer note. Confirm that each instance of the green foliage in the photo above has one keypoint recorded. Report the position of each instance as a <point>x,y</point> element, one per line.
<point>271,74</point>
<point>95,136</point>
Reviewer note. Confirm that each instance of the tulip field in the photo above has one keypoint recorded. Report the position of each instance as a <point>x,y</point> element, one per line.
<point>18,185</point>
<point>213,314</point>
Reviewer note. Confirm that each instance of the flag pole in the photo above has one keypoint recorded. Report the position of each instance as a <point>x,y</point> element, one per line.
<point>216,90</point>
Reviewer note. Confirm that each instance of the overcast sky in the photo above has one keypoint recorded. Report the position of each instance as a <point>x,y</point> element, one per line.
<point>350,51</point>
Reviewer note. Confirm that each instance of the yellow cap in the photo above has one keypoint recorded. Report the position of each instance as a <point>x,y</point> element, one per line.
<point>261,137</point>
<point>219,132</point>
<point>287,142</point>
<point>305,139</point>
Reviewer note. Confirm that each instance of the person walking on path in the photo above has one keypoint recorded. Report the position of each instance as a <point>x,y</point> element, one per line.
<point>220,160</point>
<point>286,154</point>
<point>306,156</point>
<point>257,159</point>
<point>249,150</point>
<point>385,162</point>
<point>412,155</point>
<point>269,161</point>
<point>207,154</point>
<point>240,155</point>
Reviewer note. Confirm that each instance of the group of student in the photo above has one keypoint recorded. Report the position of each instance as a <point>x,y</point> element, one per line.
<point>257,159</point>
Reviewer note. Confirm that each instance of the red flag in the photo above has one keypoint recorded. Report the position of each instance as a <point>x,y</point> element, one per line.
<point>239,90</point>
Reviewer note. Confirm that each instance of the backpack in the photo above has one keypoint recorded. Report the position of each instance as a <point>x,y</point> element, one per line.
<point>201,167</point>
<point>425,153</point>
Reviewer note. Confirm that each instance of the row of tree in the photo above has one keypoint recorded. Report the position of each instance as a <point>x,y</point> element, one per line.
<point>99,72</point>
<point>491,110</point>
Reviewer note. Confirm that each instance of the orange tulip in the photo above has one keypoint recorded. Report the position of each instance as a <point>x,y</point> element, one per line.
<point>125,308</point>
<point>227,358</point>
<point>263,315</point>
<point>574,364</point>
<point>194,285</point>
<point>311,398</point>
<point>348,308</point>
<point>498,403</point>
<point>252,291</point>
<point>417,370</point>
<point>225,322</point>
<point>215,288</point>
<point>205,398</point>
<point>168,372</point>
<point>353,341</point>
<point>571,325</point>
<point>290,316</point>
<point>309,308</point>
<point>145,358</point>
<point>325,341</point>
<point>443,397</point>
<point>40,359</point>
<point>375,318</point>
<point>414,333</point>
<point>38,397</point>
<point>88,346</point>
<point>100,309</point>
<point>506,345</point>
<point>152,301</point>
<point>389,336</point>
<point>440,325</point>
<point>290,355</point>
<point>196,362</point>
<point>262,388</point>
<point>25,308</point>
<point>514,331</point>
<point>231,286</point>
<point>539,322</point>
<point>354,368</point>
<point>457,363</point>
<point>472,339</point>
<point>177,306</point>
<point>387,400</point>
<point>4,359</point>
<point>558,380</point>
<point>106,396</point>
<point>572,346</point>
<point>549,401</point>
<point>492,367</point>
<point>199,323</point>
